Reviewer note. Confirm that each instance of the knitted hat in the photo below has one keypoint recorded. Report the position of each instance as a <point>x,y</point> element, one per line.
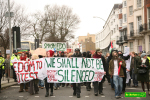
<point>143,54</point>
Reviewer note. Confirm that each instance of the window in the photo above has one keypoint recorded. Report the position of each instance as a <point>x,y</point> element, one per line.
<point>139,22</point>
<point>120,22</point>
<point>131,10</point>
<point>124,17</point>
<point>114,20</point>
<point>114,30</point>
<point>117,27</point>
<point>131,46</point>
<point>111,23</point>
<point>120,10</point>
<point>125,3</point>
<point>138,3</point>
<point>131,26</point>
<point>148,18</point>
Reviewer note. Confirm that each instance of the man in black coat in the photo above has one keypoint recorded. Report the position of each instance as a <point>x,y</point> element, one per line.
<point>77,86</point>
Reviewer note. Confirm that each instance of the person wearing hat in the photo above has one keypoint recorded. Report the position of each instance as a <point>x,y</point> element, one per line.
<point>14,56</point>
<point>144,77</point>
<point>2,60</point>
<point>77,86</point>
<point>49,85</point>
<point>98,86</point>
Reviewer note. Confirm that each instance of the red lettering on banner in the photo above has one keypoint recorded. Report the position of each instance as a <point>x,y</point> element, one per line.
<point>32,76</point>
<point>22,75</point>
<point>37,64</point>
<point>40,67</point>
<point>36,74</point>
<point>26,77</point>
<point>19,63</point>
<point>28,70</point>
<point>32,65</point>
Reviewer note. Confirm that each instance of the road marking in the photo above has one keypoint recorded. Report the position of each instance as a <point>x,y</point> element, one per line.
<point>134,88</point>
<point>36,96</point>
<point>15,86</point>
<point>86,96</point>
<point>138,98</point>
<point>52,96</point>
<point>21,96</point>
<point>70,96</point>
<point>103,96</point>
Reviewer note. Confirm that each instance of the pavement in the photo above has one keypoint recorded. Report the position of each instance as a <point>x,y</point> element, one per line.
<point>5,83</point>
<point>66,93</point>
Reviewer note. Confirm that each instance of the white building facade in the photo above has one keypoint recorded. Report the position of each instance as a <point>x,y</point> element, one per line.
<point>110,31</point>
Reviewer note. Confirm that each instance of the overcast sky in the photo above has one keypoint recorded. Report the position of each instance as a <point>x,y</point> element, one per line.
<point>85,9</point>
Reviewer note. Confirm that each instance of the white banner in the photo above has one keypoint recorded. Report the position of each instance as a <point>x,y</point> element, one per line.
<point>58,46</point>
<point>58,70</point>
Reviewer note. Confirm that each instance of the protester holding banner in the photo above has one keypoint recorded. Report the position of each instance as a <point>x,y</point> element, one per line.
<point>116,66</point>
<point>34,83</point>
<point>98,86</point>
<point>47,85</point>
<point>62,54</point>
<point>14,56</point>
<point>23,57</point>
<point>77,86</point>
<point>88,84</point>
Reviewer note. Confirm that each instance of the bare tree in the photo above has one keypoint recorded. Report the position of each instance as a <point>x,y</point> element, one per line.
<point>19,19</point>
<point>61,23</point>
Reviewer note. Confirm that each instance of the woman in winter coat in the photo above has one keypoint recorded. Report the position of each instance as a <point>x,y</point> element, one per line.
<point>98,86</point>
<point>88,84</point>
<point>34,83</point>
<point>49,85</point>
<point>23,57</point>
<point>144,78</point>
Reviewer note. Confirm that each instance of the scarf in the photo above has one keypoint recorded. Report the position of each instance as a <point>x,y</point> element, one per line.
<point>96,56</point>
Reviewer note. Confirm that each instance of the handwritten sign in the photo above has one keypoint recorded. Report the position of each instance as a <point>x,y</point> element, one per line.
<point>58,46</point>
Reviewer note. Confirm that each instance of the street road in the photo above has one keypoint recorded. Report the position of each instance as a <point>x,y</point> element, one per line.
<point>66,93</point>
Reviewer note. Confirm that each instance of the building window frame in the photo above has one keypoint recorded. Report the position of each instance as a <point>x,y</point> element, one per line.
<point>148,18</point>
<point>125,4</point>
<point>125,17</point>
<point>139,3</point>
<point>131,46</point>
<point>131,10</point>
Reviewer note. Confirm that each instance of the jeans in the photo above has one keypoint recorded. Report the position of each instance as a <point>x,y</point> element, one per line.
<point>41,83</point>
<point>111,81</point>
<point>118,85</point>
<point>134,77</point>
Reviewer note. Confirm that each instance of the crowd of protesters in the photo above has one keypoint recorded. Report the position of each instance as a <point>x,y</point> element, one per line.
<point>115,70</point>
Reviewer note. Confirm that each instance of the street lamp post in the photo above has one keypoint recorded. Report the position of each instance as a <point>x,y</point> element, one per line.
<point>9,34</point>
